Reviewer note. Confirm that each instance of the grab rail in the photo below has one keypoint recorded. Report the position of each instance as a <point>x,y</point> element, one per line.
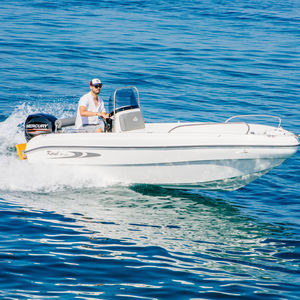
<point>209,123</point>
<point>268,116</point>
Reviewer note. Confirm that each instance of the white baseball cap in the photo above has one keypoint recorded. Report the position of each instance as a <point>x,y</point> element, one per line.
<point>95,81</point>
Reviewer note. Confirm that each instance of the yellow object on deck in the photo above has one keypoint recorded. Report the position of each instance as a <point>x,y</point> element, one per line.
<point>21,151</point>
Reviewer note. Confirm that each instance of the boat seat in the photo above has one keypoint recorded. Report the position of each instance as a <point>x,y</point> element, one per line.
<point>128,120</point>
<point>60,123</point>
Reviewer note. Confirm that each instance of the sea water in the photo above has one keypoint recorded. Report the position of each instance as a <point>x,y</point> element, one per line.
<point>67,234</point>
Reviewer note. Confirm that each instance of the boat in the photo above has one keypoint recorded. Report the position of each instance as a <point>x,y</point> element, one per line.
<point>182,155</point>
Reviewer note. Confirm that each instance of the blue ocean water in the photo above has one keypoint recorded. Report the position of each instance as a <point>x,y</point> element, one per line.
<point>69,235</point>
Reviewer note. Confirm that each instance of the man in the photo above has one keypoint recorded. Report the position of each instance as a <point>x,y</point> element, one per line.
<point>90,108</point>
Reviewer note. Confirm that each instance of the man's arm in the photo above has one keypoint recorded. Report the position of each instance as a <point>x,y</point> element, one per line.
<point>84,113</point>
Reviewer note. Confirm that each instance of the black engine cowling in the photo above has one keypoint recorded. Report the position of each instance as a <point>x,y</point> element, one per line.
<point>37,124</point>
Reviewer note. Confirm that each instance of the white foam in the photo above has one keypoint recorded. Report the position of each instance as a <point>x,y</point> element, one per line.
<point>17,175</point>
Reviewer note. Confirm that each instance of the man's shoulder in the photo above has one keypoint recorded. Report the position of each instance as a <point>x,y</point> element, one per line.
<point>86,97</point>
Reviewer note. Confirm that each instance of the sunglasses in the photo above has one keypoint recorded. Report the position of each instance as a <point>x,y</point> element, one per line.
<point>98,86</point>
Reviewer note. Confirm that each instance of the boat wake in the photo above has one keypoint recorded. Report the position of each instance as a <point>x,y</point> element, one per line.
<point>16,175</point>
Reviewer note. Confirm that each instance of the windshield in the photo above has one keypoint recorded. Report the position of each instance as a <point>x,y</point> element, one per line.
<point>123,98</point>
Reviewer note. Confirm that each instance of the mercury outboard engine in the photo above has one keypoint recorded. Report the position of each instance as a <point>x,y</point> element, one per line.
<point>37,124</point>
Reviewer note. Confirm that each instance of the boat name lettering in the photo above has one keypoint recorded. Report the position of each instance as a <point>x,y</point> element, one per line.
<point>54,153</point>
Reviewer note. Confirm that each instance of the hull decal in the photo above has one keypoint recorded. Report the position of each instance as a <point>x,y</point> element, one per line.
<point>52,154</point>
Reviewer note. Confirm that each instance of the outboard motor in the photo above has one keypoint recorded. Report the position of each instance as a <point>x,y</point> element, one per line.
<point>37,124</point>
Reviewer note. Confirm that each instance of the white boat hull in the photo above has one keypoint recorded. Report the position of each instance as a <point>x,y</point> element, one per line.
<point>219,156</point>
